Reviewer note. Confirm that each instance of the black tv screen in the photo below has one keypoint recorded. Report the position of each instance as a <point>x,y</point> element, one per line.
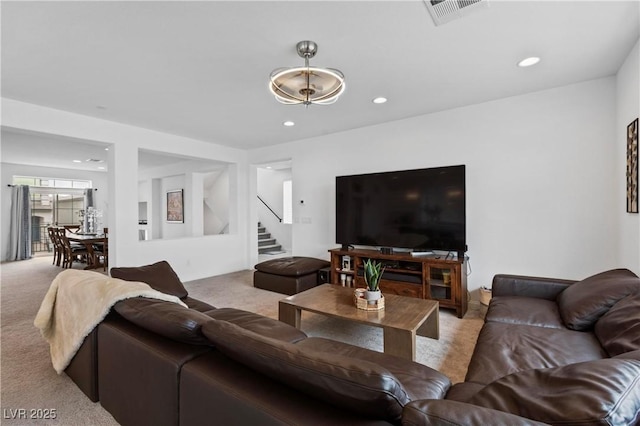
<point>420,209</point>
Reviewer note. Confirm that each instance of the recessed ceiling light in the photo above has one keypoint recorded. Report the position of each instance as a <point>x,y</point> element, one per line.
<point>379,100</point>
<point>100,168</point>
<point>106,149</point>
<point>77,161</point>
<point>527,62</point>
<point>288,124</point>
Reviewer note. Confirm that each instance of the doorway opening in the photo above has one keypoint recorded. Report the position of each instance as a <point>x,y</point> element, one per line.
<point>275,210</point>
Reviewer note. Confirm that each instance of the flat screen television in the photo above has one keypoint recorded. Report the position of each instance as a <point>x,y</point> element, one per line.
<point>421,210</point>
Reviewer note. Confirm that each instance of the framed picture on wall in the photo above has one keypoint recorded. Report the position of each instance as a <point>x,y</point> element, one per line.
<point>175,206</point>
<point>632,167</point>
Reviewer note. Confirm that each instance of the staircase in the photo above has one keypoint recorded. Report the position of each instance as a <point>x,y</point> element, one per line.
<point>266,244</point>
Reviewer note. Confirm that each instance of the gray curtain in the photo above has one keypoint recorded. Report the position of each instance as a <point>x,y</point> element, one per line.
<point>20,231</point>
<point>88,202</point>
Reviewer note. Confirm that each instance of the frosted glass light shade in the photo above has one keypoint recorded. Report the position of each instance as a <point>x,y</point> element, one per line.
<point>306,85</point>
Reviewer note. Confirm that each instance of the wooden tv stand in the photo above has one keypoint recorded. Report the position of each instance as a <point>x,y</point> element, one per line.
<point>425,277</point>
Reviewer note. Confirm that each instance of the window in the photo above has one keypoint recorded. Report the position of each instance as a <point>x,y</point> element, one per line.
<point>287,202</point>
<point>56,202</point>
<point>51,182</point>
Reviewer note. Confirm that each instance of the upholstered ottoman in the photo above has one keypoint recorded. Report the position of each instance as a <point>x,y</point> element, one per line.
<point>288,275</point>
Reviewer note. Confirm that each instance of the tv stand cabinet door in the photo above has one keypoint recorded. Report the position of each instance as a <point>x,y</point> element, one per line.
<point>450,291</point>
<point>401,289</point>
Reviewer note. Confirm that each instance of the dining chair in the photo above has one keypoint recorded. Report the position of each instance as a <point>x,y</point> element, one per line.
<point>72,252</point>
<point>58,248</point>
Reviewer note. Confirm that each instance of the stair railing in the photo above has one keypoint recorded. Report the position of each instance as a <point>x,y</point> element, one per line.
<point>270,209</point>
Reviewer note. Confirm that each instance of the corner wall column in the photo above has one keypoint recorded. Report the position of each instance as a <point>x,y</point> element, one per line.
<point>123,204</point>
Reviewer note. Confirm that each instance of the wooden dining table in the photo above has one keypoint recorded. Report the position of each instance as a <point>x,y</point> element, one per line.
<point>93,260</point>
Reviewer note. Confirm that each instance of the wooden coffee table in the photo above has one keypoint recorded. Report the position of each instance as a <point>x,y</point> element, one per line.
<point>401,319</point>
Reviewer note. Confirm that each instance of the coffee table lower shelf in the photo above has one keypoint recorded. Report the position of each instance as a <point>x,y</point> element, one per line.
<point>402,319</point>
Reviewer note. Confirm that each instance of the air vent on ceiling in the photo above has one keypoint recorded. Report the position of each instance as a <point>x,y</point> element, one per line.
<point>443,11</point>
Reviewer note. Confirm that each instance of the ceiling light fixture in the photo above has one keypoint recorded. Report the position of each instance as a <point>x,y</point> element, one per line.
<point>379,100</point>
<point>288,124</point>
<point>306,85</point>
<point>77,161</point>
<point>527,62</point>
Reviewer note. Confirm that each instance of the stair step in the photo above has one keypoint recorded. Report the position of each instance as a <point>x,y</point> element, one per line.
<point>273,247</point>
<point>266,242</point>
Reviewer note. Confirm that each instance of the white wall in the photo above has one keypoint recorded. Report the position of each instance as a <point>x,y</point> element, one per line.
<point>192,258</point>
<point>216,202</point>
<point>540,178</point>
<point>99,180</point>
<point>627,109</point>
<point>270,190</point>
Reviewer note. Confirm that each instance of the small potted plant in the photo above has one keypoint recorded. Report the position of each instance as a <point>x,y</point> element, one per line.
<point>373,271</point>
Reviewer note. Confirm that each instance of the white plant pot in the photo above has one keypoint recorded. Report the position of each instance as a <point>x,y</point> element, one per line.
<point>372,296</point>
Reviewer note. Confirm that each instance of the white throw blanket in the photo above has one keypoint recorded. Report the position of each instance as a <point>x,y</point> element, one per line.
<point>76,302</point>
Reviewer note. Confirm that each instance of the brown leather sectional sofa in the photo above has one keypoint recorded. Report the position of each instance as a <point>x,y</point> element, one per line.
<point>556,351</point>
<point>157,363</point>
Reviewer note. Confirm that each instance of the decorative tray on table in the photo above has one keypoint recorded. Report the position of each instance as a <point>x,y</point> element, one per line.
<point>362,303</point>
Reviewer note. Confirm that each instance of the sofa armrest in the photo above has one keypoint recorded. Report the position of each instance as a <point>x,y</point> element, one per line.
<point>520,285</point>
<point>442,412</point>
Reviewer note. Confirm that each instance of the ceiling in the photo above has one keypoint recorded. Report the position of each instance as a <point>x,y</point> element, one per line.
<point>200,69</point>
<point>18,147</point>
<point>35,149</point>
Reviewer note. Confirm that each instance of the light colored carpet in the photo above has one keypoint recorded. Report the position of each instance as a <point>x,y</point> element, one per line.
<point>28,380</point>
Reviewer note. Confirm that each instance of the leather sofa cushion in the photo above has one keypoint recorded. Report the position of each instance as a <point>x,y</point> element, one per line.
<point>629,355</point>
<point>257,323</point>
<point>605,391</point>
<point>196,304</point>
<point>524,310</point>
<point>160,276</point>
<point>418,380</point>
<point>619,329</point>
<point>584,302</point>
<point>462,392</point>
<point>527,286</point>
<point>454,413</point>
<point>350,383</point>
<point>218,391</point>
<point>165,318</point>
<point>507,348</point>
<point>292,266</point>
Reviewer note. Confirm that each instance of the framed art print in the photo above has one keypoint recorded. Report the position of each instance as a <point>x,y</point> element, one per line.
<point>632,167</point>
<point>175,206</point>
